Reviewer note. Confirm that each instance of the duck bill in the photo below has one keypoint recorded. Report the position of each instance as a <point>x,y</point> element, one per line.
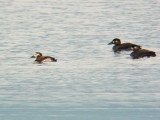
<point>33,56</point>
<point>110,43</point>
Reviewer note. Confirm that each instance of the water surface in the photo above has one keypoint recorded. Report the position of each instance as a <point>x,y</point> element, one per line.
<point>89,81</point>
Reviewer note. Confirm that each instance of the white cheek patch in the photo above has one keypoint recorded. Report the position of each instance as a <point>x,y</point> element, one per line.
<point>116,42</point>
<point>36,55</point>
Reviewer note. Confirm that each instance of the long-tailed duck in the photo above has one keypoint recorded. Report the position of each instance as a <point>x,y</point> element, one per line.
<point>40,58</point>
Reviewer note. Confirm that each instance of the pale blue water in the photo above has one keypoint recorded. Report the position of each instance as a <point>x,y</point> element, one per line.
<point>89,81</point>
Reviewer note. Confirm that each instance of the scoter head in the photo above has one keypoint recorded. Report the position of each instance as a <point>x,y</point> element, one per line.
<point>115,41</point>
<point>135,48</point>
<point>37,54</point>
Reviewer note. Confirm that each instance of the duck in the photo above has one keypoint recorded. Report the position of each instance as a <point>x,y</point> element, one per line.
<point>138,52</point>
<point>40,58</point>
<point>118,46</point>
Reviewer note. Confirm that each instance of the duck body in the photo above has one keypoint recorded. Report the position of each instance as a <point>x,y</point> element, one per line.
<point>138,52</point>
<point>40,58</point>
<point>118,46</point>
<point>45,59</point>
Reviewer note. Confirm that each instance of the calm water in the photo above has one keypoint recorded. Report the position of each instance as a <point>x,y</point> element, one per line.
<point>89,81</point>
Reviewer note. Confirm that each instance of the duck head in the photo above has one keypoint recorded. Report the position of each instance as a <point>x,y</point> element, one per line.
<point>115,41</point>
<point>135,48</point>
<point>37,54</point>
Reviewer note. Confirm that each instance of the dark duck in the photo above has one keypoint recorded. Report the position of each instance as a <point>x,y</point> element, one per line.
<point>118,46</point>
<point>40,58</point>
<point>138,52</point>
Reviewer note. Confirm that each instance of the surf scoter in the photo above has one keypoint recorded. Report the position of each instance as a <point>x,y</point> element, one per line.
<point>118,46</point>
<point>138,52</point>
